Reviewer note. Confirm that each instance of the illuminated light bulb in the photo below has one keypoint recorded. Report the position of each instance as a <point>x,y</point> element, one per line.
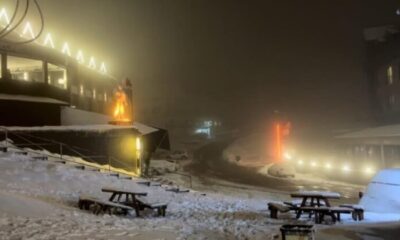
<point>94,93</point>
<point>346,168</point>
<point>25,76</point>
<point>92,63</point>
<point>4,15</point>
<point>48,40</point>
<point>79,57</point>
<point>369,170</point>
<point>313,164</point>
<point>81,89</point>
<point>300,162</point>
<point>105,97</point>
<point>328,166</point>
<point>103,68</point>
<point>65,49</point>
<point>28,29</point>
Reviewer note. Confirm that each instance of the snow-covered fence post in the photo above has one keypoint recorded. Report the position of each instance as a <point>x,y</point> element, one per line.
<point>6,135</point>
<point>61,151</point>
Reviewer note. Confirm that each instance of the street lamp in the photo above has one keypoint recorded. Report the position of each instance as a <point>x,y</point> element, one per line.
<point>398,12</point>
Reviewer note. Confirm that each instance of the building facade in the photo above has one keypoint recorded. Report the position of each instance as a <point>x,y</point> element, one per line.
<point>35,79</point>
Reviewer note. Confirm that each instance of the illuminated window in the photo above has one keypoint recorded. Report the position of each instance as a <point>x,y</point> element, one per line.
<point>25,69</point>
<point>81,90</point>
<point>57,76</point>
<point>389,74</point>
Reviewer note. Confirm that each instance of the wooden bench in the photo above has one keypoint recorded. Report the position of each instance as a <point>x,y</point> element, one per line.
<point>274,208</point>
<point>161,207</point>
<point>358,213</point>
<point>85,202</point>
<point>321,212</point>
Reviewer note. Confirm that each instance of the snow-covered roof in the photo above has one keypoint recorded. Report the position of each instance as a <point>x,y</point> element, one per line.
<point>383,131</point>
<point>26,98</point>
<point>143,129</point>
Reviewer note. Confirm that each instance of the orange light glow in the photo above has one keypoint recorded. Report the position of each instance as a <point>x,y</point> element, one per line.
<point>280,131</point>
<point>120,109</point>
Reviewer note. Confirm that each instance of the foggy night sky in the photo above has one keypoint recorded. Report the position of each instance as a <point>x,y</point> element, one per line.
<point>232,60</point>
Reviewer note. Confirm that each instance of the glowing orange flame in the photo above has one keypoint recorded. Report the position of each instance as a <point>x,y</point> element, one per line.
<point>121,104</point>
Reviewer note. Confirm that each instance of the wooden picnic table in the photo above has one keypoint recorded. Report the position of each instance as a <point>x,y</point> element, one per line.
<point>316,199</point>
<point>130,197</point>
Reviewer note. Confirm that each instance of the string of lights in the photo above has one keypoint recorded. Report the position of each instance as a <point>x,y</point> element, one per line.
<point>12,18</point>
<point>18,23</point>
<point>41,26</point>
<point>28,33</point>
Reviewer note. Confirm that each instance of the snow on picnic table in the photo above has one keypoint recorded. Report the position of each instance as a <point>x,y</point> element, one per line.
<point>41,198</point>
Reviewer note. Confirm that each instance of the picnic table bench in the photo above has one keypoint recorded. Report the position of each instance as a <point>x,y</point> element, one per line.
<point>317,204</point>
<point>321,212</point>
<point>85,202</point>
<point>274,208</point>
<point>160,207</point>
<point>358,211</point>
<point>130,197</point>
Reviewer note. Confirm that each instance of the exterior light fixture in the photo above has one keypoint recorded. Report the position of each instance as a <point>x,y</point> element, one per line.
<point>65,49</point>
<point>4,16</point>
<point>28,30</point>
<point>48,40</point>
<point>328,166</point>
<point>92,63</point>
<point>346,168</point>
<point>79,57</point>
<point>313,164</point>
<point>103,68</point>
<point>300,162</point>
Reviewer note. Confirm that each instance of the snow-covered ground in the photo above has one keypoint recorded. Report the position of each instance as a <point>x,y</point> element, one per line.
<point>38,200</point>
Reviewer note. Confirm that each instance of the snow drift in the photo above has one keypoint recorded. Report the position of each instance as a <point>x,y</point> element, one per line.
<point>383,192</point>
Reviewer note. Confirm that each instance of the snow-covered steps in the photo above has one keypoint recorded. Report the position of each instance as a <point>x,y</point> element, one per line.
<point>43,158</point>
<point>21,152</point>
<point>149,183</point>
<point>177,190</point>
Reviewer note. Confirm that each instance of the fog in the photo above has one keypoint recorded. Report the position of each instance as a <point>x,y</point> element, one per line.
<point>235,61</point>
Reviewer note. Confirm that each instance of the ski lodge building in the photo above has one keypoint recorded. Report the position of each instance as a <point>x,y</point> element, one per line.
<point>52,100</point>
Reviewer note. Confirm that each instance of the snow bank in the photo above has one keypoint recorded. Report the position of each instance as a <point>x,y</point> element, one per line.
<point>383,192</point>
